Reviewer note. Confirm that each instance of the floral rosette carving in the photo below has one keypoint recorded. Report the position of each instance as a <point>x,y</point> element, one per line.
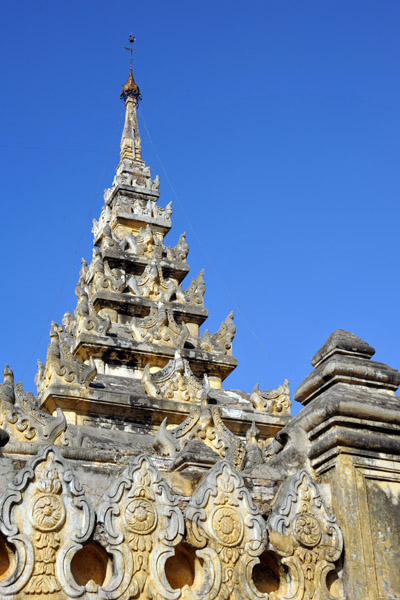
<point>223,521</point>
<point>143,524</point>
<point>307,530</point>
<point>49,533</point>
<point>306,536</point>
<point>47,515</point>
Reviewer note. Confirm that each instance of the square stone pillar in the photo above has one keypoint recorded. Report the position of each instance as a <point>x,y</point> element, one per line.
<point>352,420</point>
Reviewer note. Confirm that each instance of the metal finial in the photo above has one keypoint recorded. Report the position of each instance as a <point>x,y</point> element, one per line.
<point>131,50</point>
<point>131,89</point>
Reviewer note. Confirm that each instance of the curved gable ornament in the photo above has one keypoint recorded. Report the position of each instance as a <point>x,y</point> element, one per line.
<point>46,517</point>
<point>142,523</point>
<point>225,526</point>
<point>306,536</point>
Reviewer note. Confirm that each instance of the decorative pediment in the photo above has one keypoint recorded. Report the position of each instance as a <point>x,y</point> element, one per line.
<point>20,415</point>
<point>142,523</point>
<point>87,318</point>
<point>306,536</point>
<point>61,365</point>
<point>145,243</point>
<point>175,381</point>
<point>179,252</point>
<point>221,341</point>
<point>229,534</point>
<point>151,284</point>
<point>273,402</point>
<point>203,423</point>
<point>194,295</point>
<point>160,327</point>
<point>46,518</point>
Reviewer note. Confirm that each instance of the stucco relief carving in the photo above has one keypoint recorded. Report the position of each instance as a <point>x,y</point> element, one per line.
<point>175,381</point>
<point>105,217</point>
<point>160,327</point>
<point>46,517</point>
<point>179,252</point>
<point>151,284</point>
<point>145,243</point>
<point>131,173</point>
<point>221,341</point>
<point>194,295</point>
<point>61,365</point>
<point>203,423</point>
<point>87,318</point>
<point>21,417</point>
<point>100,277</point>
<point>272,401</point>
<point>143,523</point>
<point>307,538</point>
<point>229,534</point>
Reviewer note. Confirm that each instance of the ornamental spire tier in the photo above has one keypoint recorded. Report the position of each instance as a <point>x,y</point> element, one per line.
<point>131,148</point>
<point>132,352</point>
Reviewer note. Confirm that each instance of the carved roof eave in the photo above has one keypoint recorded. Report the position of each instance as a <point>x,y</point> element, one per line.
<point>99,401</point>
<point>157,223</point>
<point>133,190</point>
<point>143,352</point>
<point>134,219</point>
<point>137,264</point>
<point>104,299</point>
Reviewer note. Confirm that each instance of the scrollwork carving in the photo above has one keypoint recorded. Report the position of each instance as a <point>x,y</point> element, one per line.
<point>194,295</point>
<point>61,365</point>
<point>151,284</point>
<point>59,521</point>
<point>180,251</point>
<point>221,341</point>
<point>143,524</point>
<point>175,381</point>
<point>204,423</point>
<point>272,401</point>
<point>160,327</point>
<point>21,416</point>
<point>222,517</point>
<point>306,536</point>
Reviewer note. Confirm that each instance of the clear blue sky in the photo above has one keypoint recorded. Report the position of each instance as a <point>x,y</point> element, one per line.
<point>278,124</point>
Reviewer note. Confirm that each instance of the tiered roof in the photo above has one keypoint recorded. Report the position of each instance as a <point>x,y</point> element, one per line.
<point>132,354</point>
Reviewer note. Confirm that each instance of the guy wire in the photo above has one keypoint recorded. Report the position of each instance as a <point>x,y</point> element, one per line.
<point>208,257</point>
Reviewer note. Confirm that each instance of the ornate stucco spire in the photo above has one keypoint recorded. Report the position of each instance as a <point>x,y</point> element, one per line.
<point>130,141</point>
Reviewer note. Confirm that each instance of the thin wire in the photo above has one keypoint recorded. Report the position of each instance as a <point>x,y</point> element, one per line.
<point>208,257</point>
<point>83,231</point>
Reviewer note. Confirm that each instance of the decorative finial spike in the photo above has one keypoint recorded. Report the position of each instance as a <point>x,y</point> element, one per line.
<point>131,89</point>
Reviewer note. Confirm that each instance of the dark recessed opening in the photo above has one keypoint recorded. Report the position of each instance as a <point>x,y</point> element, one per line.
<point>7,558</point>
<point>90,563</point>
<point>266,574</point>
<point>180,568</point>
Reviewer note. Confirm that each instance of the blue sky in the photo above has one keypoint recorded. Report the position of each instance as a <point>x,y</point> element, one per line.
<point>278,125</point>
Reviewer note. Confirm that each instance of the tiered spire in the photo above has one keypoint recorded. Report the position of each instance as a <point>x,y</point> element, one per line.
<point>132,350</point>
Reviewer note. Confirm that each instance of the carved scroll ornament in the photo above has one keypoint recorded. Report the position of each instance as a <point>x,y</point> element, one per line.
<point>229,534</point>
<point>221,341</point>
<point>46,517</point>
<point>175,381</point>
<point>61,365</point>
<point>272,401</point>
<point>143,523</point>
<point>204,423</point>
<point>160,327</point>
<point>307,538</point>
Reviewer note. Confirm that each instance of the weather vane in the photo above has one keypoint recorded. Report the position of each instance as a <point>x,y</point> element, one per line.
<point>131,50</point>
